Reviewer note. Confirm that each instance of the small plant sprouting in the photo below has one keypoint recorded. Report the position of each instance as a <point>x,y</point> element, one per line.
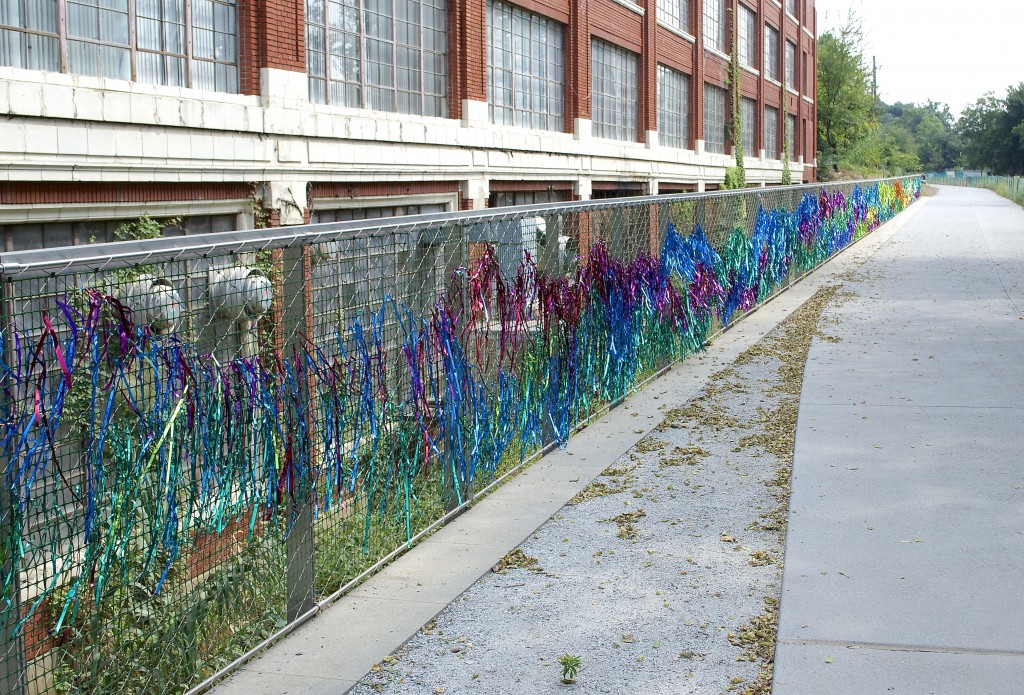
<point>570,666</point>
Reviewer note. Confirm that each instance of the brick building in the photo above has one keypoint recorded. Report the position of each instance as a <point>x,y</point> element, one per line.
<point>319,110</point>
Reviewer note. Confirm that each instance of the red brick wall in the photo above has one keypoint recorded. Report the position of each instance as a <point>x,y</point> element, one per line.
<point>24,193</point>
<point>357,189</point>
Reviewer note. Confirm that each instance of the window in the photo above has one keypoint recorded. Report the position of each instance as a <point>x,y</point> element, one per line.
<point>748,37</point>
<point>748,124</point>
<point>26,237</point>
<point>790,135</point>
<point>613,91</point>
<point>790,64</point>
<point>806,74</point>
<point>145,40</point>
<point>771,132</point>
<point>771,52</point>
<point>715,25</point>
<point>791,7</point>
<point>386,55</point>
<point>673,108</point>
<point>525,74</point>
<point>714,118</point>
<point>675,13</point>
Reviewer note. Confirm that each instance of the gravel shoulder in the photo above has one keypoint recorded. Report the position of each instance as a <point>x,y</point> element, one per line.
<point>663,575</point>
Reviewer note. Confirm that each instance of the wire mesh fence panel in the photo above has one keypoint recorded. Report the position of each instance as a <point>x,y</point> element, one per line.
<point>205,436</point>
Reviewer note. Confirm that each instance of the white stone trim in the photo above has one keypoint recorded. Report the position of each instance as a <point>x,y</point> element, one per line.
<point>807,31</point>
<point>808,99</point>
<point>39,213</point>
<point>449,199</point>
<point>678,32</point>
<point>630,6</point>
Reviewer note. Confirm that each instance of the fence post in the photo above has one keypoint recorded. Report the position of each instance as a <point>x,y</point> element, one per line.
<point>12,657</point>
<point>296,305</point>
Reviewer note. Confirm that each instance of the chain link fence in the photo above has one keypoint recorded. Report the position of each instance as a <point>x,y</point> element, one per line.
<point>206,438</point>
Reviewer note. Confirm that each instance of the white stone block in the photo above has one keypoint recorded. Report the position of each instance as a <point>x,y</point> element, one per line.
<point>291,151</point>
<point>40,138</point>
<point>88,104</point>
<point>144,109</point>
<point>12,137</point>
<point>284,87</point>
<point>289,199</point>
<point>5,96</point>
<point>202,145</point>
<point>254,119</point>
<point>154,143</point>
<point>582,129</point>
<point>101,141</point>
<point>116,106</point>
<point>168,111</point>
<point>475,114</point>
<point>128,143</point>
<point>651,139</point>
<point>26,99</point>
<point>58,101</point>
<point>191,113</point>
<point>179,144</point>
<point>72,138</point>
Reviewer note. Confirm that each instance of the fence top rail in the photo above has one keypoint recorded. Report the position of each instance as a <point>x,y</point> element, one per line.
<point>93,258</point>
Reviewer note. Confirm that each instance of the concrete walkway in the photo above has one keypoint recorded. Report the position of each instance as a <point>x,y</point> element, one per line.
<point>904,565</point>
<point>339,646</point>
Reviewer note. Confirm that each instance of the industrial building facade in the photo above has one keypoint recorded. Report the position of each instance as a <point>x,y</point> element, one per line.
<point>226,114</point>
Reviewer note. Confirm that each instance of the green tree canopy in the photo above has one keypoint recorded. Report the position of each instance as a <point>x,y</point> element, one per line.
<point>846,105</point>
<point>992,130</point>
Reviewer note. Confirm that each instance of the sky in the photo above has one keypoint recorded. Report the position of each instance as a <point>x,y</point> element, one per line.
<point>920,58</point>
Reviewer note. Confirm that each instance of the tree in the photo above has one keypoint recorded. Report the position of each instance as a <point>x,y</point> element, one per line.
<point>934,138</point>
<point>992,130</point>
<point>846,106</point>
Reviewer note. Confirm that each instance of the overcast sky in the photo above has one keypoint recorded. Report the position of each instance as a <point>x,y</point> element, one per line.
<point>919,57</point>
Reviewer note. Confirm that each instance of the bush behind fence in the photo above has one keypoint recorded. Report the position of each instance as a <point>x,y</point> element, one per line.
<point>204,437</point>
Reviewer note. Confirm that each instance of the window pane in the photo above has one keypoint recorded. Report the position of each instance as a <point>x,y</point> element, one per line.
<point>214,45</point>
<point>748,124</point>
<point>524,51</point>
<point>673,108</point>
<point>714,118</point>
<point>771,52</point>
<point>715,25</point>
<point>747,37</point>
<point>614,91</point>
<point>675,13</point>
<point>771,132</point>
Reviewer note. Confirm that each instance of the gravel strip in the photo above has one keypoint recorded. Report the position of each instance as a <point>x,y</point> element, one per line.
<point>662,576</point>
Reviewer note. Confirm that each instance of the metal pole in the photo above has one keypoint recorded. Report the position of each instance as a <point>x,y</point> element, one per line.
<point>299,544</point>
<point>12,658</point>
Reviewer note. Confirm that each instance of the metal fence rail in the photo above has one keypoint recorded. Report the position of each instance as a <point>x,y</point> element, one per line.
<point>205,436</point>
<point>1011,187</point>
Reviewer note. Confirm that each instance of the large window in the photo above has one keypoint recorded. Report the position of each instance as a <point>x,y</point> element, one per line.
<point>190,43</point>
<point>771,52</point>
<point>714,118</point>
<point>613,91</point>
<point>525,73</point>
<point>748,124</point>
<point>790,135</point>
<point>675,13</point>
<point>791,7</point>
<point>387,55</point>
<point>748,37</point>
<point>715,27</point>
<point>790,64</point>
<point>673,108</point>
<point>771,132</point>
<point>26,237</point>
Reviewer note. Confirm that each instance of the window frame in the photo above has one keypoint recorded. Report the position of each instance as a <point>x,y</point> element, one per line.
<point>748,124</point>
<point>627,128</point>
<point>714,15</point>
<point>790,64</point>
<point>747,36</point>
<point>667,105</point>
<point>366,80</point>
<point>550,119</point>
<point>675,13</point>
<point>772,149</point>
<point>791,135</point>
<point>711,110</point>
<point>71,37</point>
<point>771,52</point>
